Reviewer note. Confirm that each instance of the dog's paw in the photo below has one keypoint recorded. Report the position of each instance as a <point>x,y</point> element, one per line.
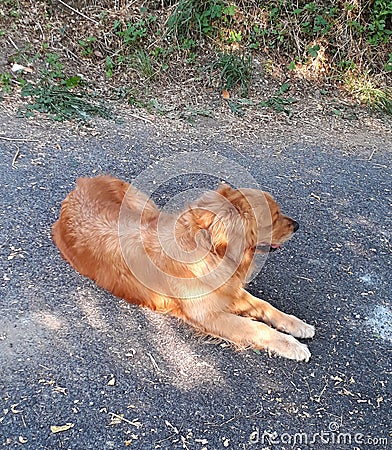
<point>297,328</point>
<point>303,330</point>
<point>308,331</point>
<point>290,348</point>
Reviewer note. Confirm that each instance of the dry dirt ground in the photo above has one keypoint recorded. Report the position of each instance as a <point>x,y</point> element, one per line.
<point>80,369</point>
<point>317,119</point>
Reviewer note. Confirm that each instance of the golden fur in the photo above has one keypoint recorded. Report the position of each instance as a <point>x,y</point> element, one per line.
<point>192,265</point>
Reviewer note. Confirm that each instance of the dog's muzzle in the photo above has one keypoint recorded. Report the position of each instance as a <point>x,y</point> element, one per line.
<point>269,248</point>
<point>266,248</point>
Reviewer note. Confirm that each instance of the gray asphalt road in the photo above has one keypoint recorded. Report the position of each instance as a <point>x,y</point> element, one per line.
<point>115,376</point>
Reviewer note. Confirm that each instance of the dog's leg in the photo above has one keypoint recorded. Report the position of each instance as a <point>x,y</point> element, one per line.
<point>245,332</point>
<point>248,305</point>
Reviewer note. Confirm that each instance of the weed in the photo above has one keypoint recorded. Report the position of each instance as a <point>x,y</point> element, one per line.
<point>62,103</point>
<point>388,64</point>
<point>234,36</point>
<point>109,66</point>
<point>193,18</point>
<point>329,39</point>
<point>365,89</point>
<point>279,103</point>
<point>313,51</point>
<point>5,82</point>
<point>188,44</point>
<point>60,96</point>
<point>153,106</point>
<point>190,114</point>
<point>234,70</point>
<point>237,105</point>
<point>54,68</point>
<point>133,32</point>
<point>344,112</point>
<point>129,94</point>
<point>87,47</point>
<point>143,63</point>
<point>135,101</point>
<point>380,23</point>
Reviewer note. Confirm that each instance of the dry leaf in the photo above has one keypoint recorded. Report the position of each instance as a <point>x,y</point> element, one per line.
<point>225,94</point>
<point>116,419</point>
<point>22,440</point>
<point>112,382</point>
<point>315,196</point>
<point>60,389</point>
<point>59,429</point>
<point>18,67</point>
<point>14,410</point>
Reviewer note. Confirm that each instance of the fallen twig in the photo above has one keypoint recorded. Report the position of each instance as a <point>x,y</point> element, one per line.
<point>13,43</point>
<point>155,365</point>
<point>14,159</point>
<point>78,12</point>
<point>141,118</point>
<point>134,423</point>
<point>5,138</point>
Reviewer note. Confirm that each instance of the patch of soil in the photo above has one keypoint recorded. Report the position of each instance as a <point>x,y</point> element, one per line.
<point>314,122</point>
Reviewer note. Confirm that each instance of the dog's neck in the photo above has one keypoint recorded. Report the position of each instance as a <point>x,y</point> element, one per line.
<point>239,251</point>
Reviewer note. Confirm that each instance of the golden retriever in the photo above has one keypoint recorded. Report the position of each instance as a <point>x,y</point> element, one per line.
<point>192,265</point>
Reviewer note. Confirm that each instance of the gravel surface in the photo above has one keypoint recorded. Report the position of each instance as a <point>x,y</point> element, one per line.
<point>113,376</point>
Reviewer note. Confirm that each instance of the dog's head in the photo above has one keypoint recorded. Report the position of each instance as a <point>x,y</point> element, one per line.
<point>274,228</point>
<point>236,220</point>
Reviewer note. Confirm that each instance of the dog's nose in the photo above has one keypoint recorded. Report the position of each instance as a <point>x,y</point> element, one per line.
<point>295,225</point>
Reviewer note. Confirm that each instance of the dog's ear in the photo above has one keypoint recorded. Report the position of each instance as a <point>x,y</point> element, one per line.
<point>209,228</point>
<point>223,214</point>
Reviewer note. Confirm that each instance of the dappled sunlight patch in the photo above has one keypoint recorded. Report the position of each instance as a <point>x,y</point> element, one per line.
<point>185,368</point>
<point>29,334</point>
<point>380,320</point>
<point>49,320</point>
<point>313,67</point>
<point>90,309</point>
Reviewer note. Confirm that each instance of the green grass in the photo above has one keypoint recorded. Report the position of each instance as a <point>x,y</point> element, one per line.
<point>144,64</point>
<point>5,82</point>
<point>61,103</point>
<point>234,70</point>
<point>194,18</point>
<point>280,102</point>
<point>365,89</point>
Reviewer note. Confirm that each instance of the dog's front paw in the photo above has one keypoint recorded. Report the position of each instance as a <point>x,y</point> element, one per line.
<point>297,328</point>
<point>308,331</point>
<point>290,348</point>
<point>300,352</point>
<point>303,330</point>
